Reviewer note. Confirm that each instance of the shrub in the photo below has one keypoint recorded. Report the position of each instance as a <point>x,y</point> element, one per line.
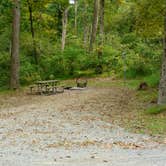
<point>156,109</point>
<point>153,79</point>
<point>4,69</point>
<point>28,73</point>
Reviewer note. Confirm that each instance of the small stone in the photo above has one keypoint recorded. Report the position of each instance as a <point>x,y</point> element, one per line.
<point>105,161</point>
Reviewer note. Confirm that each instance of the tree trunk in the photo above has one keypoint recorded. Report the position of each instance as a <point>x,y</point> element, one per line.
<point>32,31</point>
<point>86,27</point>
<point>15,62</point>
<point>162,86</point>
<point>94,24</point>
<point>99,68</point>
<point>85,35</point>
<point>101,21</point>
<point>64,28</point>
<point>76,12</point>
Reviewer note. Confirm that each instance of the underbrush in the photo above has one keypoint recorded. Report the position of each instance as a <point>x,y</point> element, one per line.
<point>153,79</point>
<point>156,109</point>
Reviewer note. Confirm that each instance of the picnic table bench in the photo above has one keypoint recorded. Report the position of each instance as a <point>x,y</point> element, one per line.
<point>46,87</point>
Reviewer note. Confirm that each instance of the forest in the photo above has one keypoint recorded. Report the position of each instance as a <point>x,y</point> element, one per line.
<point>62,39</point>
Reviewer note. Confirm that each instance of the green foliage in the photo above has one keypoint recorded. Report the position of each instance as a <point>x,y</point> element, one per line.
<point>112,59</point>
<point>153,79</point>
<point>137,66</point>
<point>156,109</point>
<point>28,72</point>
<point>150,17</point>
<point>131,28</point>
<point>4,69</point>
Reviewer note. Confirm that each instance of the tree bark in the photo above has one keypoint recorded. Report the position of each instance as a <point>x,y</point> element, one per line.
<point>86,27</point>
<point>162,85</point>
<point>76,13</point>
<point>15,61</point>
<point>32,31</point>
<point>94,24</point>
<point>64,28</point>
<point>99,68</point>
<point>85,36</point>
<point>101,21</point>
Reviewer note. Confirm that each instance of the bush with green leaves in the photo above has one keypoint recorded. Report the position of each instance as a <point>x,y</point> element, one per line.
<point>28,71</point>
<point>4,69</point>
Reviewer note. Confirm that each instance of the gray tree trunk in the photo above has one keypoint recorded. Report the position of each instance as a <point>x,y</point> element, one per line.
<point>85,35</point>
<point>64,28</point>
<point>15,61</point>
<point>99,68</point>
<point>76,13</point>
<point>94,24</point>
<point>162,85</point>
<point>86,27</point>
<point>101,21</point>
<point>32,31</point>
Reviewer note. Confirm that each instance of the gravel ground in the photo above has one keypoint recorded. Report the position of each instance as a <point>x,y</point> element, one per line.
<point>68,130</point>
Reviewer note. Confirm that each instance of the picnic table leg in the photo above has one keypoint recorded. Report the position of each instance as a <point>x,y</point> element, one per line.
<point>31,89</point>
<point>53,87</point>
<point>47,89</point>
<point>40,89</point>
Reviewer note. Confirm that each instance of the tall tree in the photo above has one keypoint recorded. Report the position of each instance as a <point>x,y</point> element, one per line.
<point>86,24</point>
<point>101,21</point>
<point>30,8</point>
<point>15,62</point>
<point>64,27</point>
<point>162,86</point>
<point>94,24</point>
<point>76,15</point>
<point>101,36</point>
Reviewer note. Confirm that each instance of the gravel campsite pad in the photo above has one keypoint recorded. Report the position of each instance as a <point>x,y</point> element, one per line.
<point>69,130</point>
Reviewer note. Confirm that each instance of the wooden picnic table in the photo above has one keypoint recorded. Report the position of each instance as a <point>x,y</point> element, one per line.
<point>48,86</point>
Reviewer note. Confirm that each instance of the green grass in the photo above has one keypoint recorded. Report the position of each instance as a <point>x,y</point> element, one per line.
<point>153,79</point>
<point>156,109</point>
<point>151,123</point>
<point>156,125</point>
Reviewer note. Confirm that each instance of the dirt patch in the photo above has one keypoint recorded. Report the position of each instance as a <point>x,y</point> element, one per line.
<point>79,124</point>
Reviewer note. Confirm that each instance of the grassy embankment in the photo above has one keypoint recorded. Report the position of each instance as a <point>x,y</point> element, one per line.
<point>144,115</point>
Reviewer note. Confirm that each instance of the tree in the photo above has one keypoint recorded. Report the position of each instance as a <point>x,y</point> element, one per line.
<point>76,13</point>
<point>30,8</point>
<point>85,18</point>
<point>162,86</point>
<point>94,24</point>
<point>151,22</point>
<point>101,37</point>
<point>64,27</point>
<point>15,62</point>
